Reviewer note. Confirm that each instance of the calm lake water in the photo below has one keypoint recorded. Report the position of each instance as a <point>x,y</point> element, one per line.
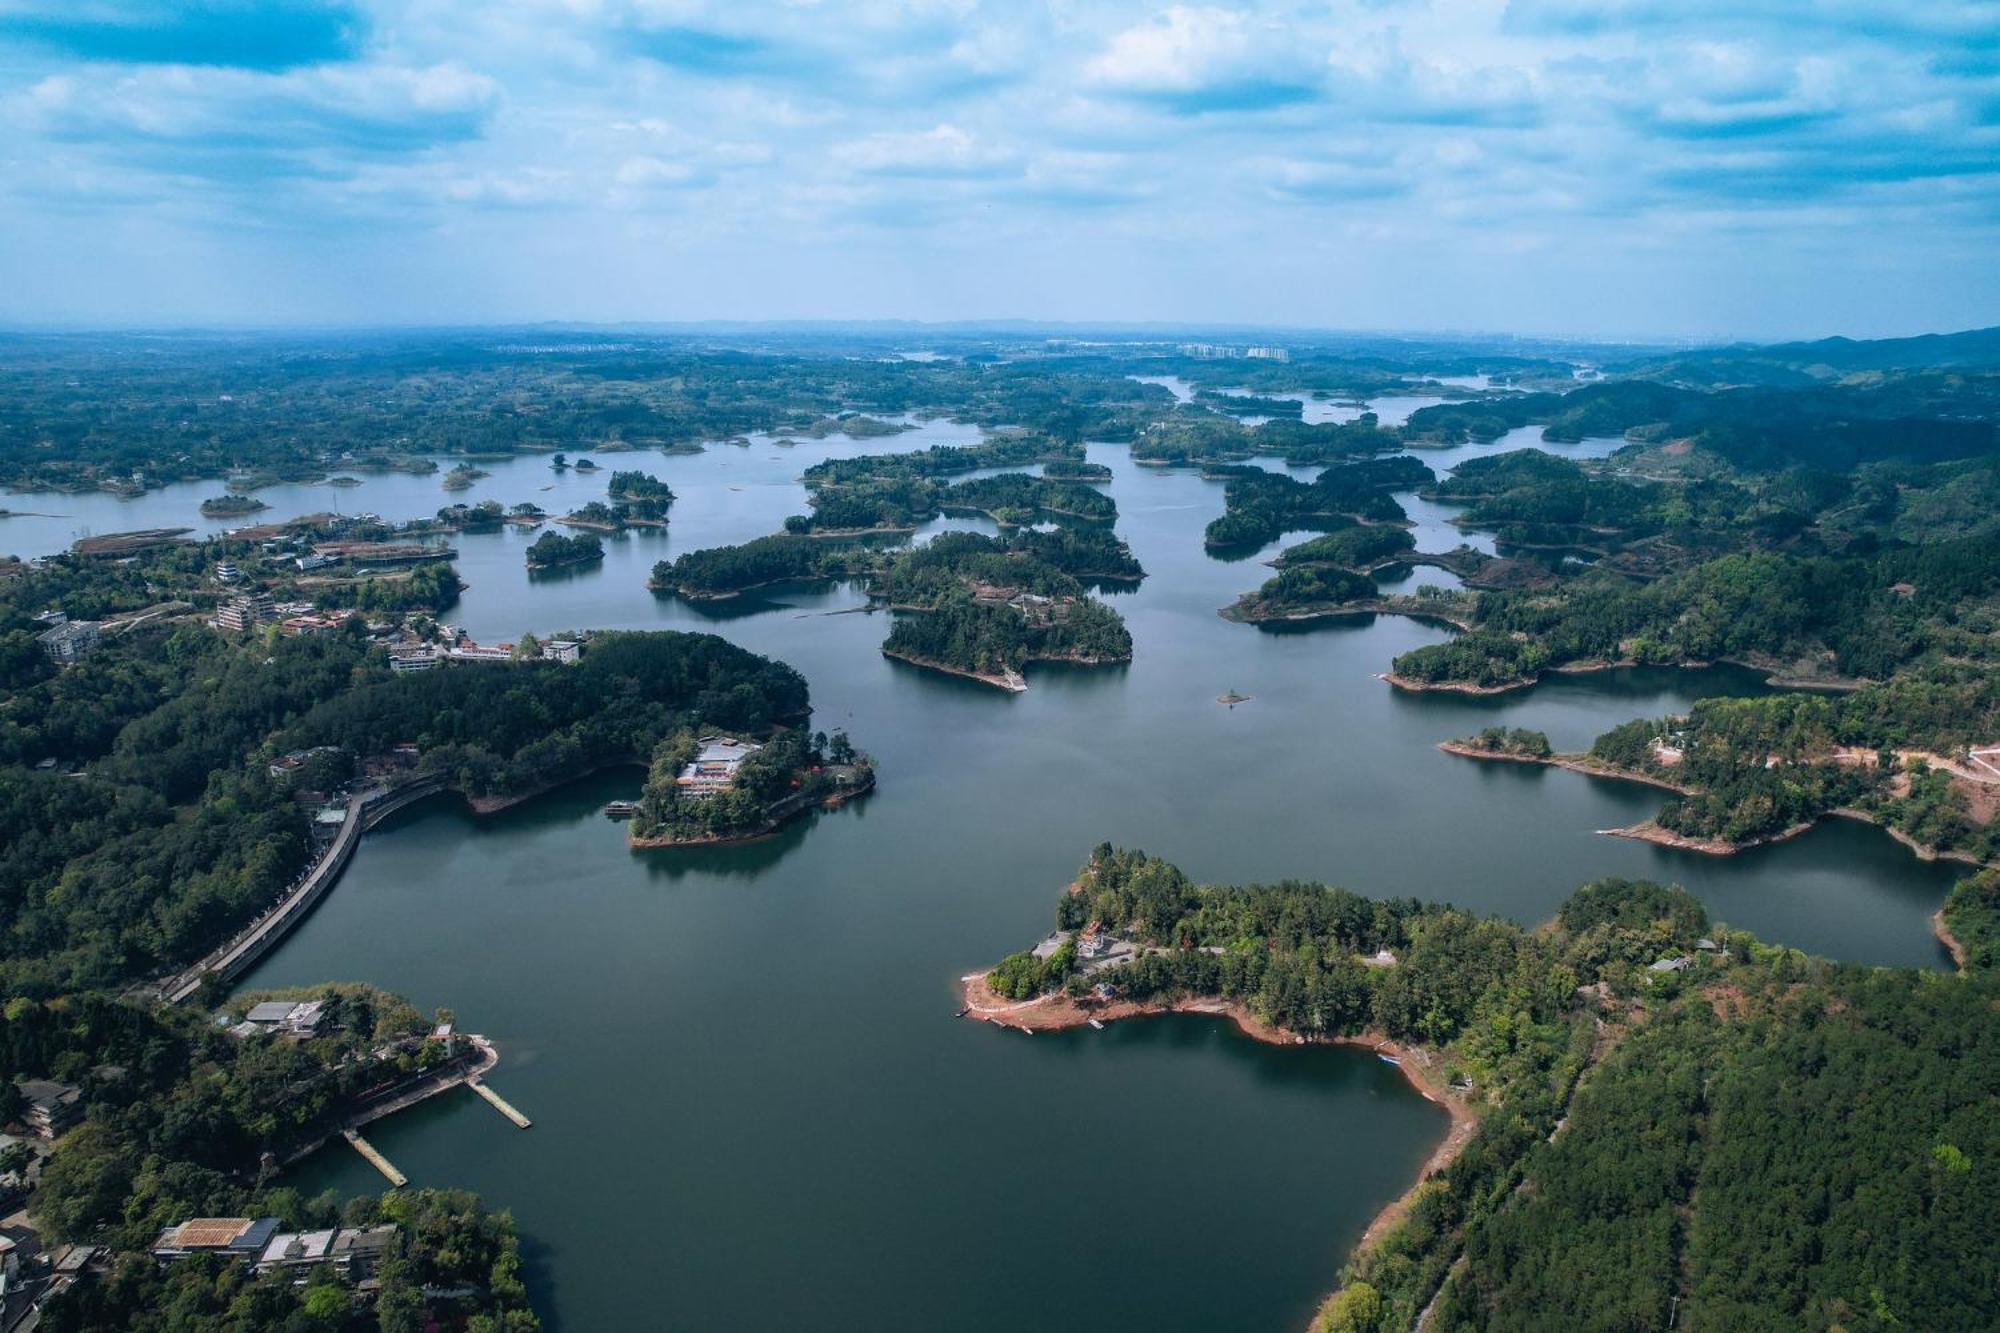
<point>753,1106</point>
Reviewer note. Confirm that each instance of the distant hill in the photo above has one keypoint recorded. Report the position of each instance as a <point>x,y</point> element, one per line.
<point>1827,358</point>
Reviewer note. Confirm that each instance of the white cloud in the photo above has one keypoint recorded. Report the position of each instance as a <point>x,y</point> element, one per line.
<point>944,150</point>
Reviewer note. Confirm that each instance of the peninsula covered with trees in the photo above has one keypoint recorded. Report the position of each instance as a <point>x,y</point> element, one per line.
<point>1612,1077</point>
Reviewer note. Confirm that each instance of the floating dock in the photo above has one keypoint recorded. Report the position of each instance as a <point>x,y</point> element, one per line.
<point>500,1104</point>
<point>376,1159</point>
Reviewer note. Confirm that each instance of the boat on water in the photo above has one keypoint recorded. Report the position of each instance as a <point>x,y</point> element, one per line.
<point>1099,1026</point>
<point>1387,1059</point>
<point>621,809</point>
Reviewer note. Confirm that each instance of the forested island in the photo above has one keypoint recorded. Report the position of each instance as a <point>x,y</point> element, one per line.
<point>1611,1078</point>
<point>552,550</point>
<point>965,603</point>
<point>703,790</point>
<point>642,496</point>
<point>231,505</point>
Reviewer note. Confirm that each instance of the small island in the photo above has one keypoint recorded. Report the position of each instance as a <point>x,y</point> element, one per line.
<point>598,516</point>
<point>991,636</point>
<point>231,505</point>
<point>461,477</point>
<point>552,550</point>
<point>717,788</point>
<point>644,499</point>
<point>1307,592</point>
<point>1518,743</point>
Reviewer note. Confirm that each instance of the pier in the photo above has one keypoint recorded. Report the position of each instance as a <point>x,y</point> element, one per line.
<point>499,1103</point>
<point>375,1159</point>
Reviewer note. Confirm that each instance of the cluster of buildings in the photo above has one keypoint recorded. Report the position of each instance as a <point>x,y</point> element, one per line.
<point>1097,946</point>
<point>297,1019</point>
<point>411,656</point>
<point>714,765</point>
<point>1224,352</point>
<point>65,640</point>
<point>352,1252</point>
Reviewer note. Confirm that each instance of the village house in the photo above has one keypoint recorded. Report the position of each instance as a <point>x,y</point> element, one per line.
<point>291,1018</point>
<point>50,1107</point>
<point>714,766</point>
<point>562,650</point>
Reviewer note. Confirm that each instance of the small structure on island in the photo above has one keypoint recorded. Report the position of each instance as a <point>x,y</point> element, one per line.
<point>1380,958</point>
<point>291,1018</point>
<point>1678,964</point>
<point>714,765</point>
<point>1094,941</point>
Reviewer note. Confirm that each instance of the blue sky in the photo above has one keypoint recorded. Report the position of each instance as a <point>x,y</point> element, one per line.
<point>1594,167</point>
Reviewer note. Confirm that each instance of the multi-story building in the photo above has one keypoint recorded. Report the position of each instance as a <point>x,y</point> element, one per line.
<point>69,640</point>
<point>245,612</point>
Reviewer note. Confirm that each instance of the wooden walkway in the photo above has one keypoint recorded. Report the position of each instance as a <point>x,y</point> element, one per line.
<point>499,1103</point>
<point>375,1159</point>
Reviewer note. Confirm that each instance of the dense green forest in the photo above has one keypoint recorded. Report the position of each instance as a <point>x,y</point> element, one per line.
<point>1811,616</point>
<point>1260,506</point>
<point>965,634</point>
<point>642,494</point>
<point>553,549</point>
<point>1301,592</point>
<point>1358,548</point>
<point>1972,914</point>
<point>1627,1170</point>
<point>1756,767</point>
<point>725,571</point>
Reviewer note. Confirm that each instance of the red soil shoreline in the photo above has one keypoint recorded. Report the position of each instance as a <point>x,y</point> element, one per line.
<point>1053,1013</point>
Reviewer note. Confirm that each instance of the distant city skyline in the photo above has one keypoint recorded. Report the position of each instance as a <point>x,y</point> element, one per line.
<point>1591,169</point>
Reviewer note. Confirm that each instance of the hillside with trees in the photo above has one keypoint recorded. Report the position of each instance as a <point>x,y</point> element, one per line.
<point>1625,1169</point>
